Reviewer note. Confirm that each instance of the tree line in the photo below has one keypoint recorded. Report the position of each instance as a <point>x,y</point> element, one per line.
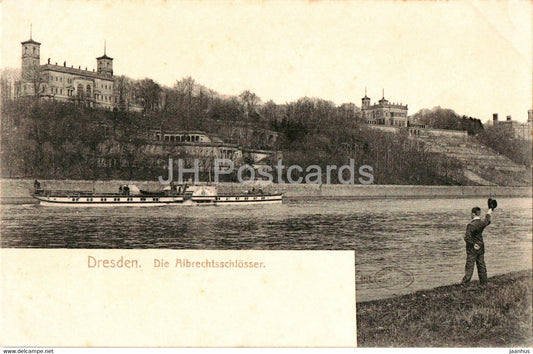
<point>48,139</point>
<point>445,118</point>
<point>63,140</point>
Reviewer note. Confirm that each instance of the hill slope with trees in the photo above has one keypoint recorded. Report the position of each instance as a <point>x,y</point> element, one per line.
<point>48,139</point>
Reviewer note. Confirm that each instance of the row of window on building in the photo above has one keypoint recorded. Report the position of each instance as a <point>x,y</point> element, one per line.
<point>103,98</point>
<point>376,114</point>
<point>59,78</point>
<point>70,80</point>
<point>392,122</point>
<point>178,138</point>
<point>87,93</point>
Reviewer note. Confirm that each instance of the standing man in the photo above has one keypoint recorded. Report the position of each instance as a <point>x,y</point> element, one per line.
<point>475,248</point>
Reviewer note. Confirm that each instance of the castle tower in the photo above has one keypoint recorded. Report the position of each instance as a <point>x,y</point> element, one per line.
<point>104,64</point>
<point>31,60</point>
<point>365,101</point>
<point>383,100</point>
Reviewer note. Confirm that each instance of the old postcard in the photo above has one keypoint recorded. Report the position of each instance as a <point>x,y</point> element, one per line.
<point>329,174</point>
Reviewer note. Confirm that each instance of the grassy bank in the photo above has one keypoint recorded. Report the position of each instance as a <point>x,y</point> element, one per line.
<point>498,315</point>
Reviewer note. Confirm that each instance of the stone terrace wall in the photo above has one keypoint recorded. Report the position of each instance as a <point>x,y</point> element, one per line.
<point>480,160</point>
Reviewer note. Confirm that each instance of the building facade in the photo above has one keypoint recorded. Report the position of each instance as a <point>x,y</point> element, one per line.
<point>518,129</point>
<point>67,83</point>
<point>383,112</point>
<point>158,146</point>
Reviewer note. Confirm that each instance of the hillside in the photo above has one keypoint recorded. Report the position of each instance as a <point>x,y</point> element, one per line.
<point>481,165</point>
<point>56,140</point>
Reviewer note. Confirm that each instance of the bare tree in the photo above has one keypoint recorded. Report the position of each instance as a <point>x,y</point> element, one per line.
<point>9,77</point>
<point>122,91</point>
<point>249,102</point>
<point>149,93</point>
<point>186,87</point>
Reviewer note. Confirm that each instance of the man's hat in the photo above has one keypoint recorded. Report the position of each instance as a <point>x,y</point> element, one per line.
<point>492,203</point>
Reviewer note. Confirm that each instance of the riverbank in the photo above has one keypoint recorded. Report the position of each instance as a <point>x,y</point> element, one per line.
<point>497,315</point>
<point>16,191</point>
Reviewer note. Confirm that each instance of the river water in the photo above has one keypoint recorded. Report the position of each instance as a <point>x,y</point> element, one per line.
<point>401,245</point>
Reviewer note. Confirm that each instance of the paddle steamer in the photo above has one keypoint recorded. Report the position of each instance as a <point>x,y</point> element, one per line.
<point>131,195</point>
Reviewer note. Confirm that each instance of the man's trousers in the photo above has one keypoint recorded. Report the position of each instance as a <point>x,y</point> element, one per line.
<point>475,258</point>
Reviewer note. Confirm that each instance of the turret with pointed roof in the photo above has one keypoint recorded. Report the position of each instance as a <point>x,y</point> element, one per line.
<point>383,100</point>
<point>31,59</point>
<point>30,41</point>
<point>365,101</point>
<point>104,63</point>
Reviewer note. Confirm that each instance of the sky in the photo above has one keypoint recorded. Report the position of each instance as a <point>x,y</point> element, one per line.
<point>471,56</point>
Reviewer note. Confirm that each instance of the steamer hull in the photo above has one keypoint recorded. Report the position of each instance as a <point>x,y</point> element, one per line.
<point>249,199</point>
<point>107,201</point>
<point>200,195</point>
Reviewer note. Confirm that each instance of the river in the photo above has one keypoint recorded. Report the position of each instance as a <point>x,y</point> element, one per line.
<point>416,242</point>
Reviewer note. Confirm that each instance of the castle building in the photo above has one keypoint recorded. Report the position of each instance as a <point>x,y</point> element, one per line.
<point>518,129</point>
<point>62,83</point>
<point>383,112</point>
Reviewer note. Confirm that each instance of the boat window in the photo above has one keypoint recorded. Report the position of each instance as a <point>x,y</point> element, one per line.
<point>103,199</point>
<point>143,199</point>
<point>155,199</point>
<point>73,199</point>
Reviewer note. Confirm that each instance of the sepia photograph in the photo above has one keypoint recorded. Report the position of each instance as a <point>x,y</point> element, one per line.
<point>266,174</point>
